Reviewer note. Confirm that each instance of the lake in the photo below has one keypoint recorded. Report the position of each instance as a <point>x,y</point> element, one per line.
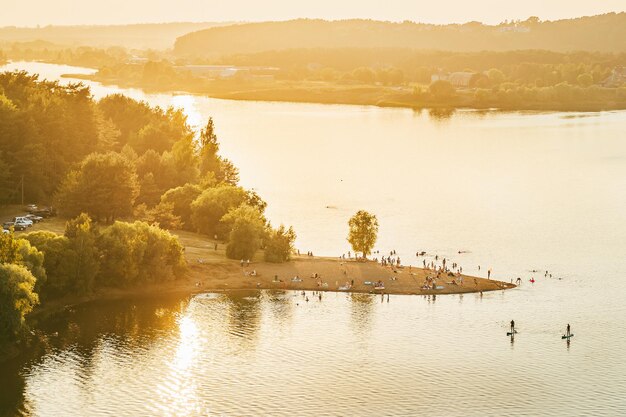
<point>514,192</point>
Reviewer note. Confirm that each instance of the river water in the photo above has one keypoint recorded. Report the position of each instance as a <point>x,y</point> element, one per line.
<point>515,192</point>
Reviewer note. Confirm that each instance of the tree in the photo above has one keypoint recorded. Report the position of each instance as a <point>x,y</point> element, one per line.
<point>161,215</point>
<point>58,262</point>
<point>212,205</point>
<point>180,199</point>
<point>441,89</point>
<point>105,187</point>
<point>495,76</point>
<point>32,259</point>
<point>82,244</point>
<point>279,244</point>
<point>9,248</point>
<point>17,299</point>
<point>247,226</point>
<point>137,253</point>
<point>363,232</point>
<point>211,162</point>
<point>209,147</point>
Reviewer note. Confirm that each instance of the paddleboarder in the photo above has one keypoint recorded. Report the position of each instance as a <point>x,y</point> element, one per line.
<point>512,326</point>
<point>568,332</point>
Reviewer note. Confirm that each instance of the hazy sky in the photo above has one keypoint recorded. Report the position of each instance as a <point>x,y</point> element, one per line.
<point>61,12</point>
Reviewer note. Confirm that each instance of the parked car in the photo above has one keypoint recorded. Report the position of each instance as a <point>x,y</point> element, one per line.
<point>31,208</point>
<point>15,226</point>
<point>24,220</point>
<point>45,212</point>
<point>34,218</point>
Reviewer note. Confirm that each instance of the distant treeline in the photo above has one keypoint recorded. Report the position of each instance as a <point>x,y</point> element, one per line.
<point>523,66</point>
<point>604,33</point>
<point>82,56</point>
<point>143,36</point>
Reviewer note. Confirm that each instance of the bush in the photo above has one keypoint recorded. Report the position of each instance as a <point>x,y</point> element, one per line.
<point>71,261</point>
<point>279,244</point>
<point>247,227</point>
<point>17,299</point>
<point>137,253</point>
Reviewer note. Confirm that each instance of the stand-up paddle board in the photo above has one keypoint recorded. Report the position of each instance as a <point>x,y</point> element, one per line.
<point>511,333</point>
<point>567,337</point>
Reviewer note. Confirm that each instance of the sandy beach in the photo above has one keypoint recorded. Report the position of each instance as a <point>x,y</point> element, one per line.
<point>210,270</point>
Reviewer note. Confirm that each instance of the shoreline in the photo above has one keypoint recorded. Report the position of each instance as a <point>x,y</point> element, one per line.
<point>357,95</point>
<point>229,277</point>
<point>210,271</point>
<point>352,95</point>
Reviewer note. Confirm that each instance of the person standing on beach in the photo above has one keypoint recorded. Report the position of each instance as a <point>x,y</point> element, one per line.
<point>489,273</point>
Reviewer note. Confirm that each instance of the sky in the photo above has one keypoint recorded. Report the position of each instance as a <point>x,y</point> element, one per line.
<point>72,12</point>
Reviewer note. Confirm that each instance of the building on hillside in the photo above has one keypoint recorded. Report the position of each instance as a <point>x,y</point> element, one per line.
<point>229,71</point>
<point>461,79</point>
<point>457,79</point>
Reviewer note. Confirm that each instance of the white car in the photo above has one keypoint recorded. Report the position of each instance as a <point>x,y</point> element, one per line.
<point>23,220</point>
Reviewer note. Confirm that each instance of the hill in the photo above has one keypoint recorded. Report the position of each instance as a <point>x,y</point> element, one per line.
<point>156,36</point>
<point>603,33</point>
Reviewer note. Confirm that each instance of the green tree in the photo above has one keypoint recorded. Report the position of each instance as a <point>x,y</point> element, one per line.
<point>17,299</point>
<point>180,199</point>
<point>32,259</point>
<point>9,248</point>
<point>211,162</point>
<point>441,89</point>
<point>495,76</point>
<point>137,253</point>
<point>210,206</point>
<point>363,232</point>
<point>247,228</point>
<point>279,244</point>
<point>209,147</point>
<point>161,215</point>
<point>82,244</point>
<point>105,187</point>
<point>59,263</point>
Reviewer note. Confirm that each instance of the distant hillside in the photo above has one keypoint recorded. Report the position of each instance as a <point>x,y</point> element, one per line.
<point>603,33</point>
<point>141,36</point>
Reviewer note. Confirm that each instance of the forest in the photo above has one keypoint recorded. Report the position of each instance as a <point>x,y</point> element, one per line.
<point>123,174</point>
<point>603,33</point>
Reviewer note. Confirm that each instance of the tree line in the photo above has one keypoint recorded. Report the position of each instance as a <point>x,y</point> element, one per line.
<point>605,33</point>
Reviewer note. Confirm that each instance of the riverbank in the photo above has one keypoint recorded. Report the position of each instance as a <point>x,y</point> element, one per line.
<point>210,270</point>
<point>519,98</point>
